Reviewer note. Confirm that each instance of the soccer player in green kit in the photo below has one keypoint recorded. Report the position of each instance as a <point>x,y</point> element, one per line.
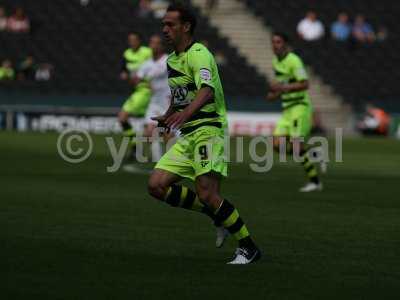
<point>136,105</point>
<point>198,111</point>
<point>296,122</point>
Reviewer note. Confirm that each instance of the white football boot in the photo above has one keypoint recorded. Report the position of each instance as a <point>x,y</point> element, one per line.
<point>244,256</point>
<point>311,187</point>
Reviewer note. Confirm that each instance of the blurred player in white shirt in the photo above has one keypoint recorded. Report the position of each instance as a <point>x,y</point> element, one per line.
<point>154,71</point>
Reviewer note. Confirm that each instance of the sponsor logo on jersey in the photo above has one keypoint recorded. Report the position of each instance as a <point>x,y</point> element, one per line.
<point>179,95</point>
<point>205,74</point>
<point>204,164</point>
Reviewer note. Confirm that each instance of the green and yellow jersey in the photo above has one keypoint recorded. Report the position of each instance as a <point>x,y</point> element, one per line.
<point>291,69</point>
<point>188,72</point>
<point>133,60</point>
<point>6,73</point>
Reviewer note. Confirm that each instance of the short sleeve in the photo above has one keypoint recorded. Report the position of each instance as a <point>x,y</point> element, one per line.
<point>201,63</point>
<point>149,53</point>
<point>298,70</point>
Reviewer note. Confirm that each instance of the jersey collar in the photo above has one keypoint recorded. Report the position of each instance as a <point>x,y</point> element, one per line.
<point>190,46</point>
<point>283,58</point>
<point>137,50</point>
<point>186,49</point>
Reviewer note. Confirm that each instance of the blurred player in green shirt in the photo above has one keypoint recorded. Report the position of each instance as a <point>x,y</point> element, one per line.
<point>136,105</point>
<point>6,71</point>
<point>291,87</point>
<point>198,111</point>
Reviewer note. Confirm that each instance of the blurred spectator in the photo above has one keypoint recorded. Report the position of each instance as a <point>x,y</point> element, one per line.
<point>375,121</point>
<point>44,72</point>
<point>362,31</point>
<point>144,8</point>
<point>159,8</point>
<point>341,29</point>
<point>26,69</point>
<point>18,22</point>
<point>381,34</point>
<point>6,71</point>
<point>3,19</point>
<point>310,28</point>
<point>84,2</point>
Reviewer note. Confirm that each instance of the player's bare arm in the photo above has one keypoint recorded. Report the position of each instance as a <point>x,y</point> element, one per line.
<point>290,87</point>
<point>134,81</point>
<point>272,96</point>
<point>124,75</point>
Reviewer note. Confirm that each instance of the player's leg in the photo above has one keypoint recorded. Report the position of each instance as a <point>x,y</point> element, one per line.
<point>171,168</point>
<point>136,107</point>
<point>210,166</point>
<point>208,189</point>
<point>281,132</point>
<point>301,128</point>
<point>163,186</point>
<point>159,183</point>
<point>123,119</point>
<point>314,183</point>
<point>127,130</point>
<point>152,131</point>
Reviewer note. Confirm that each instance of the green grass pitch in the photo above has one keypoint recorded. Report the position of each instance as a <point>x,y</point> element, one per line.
<point>77,232</point>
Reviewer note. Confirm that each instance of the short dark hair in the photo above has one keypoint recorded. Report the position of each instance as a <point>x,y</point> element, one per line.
<point>138,35</point>
<point>282,35</point>
<point>164,46</point>
<point>185,15</point>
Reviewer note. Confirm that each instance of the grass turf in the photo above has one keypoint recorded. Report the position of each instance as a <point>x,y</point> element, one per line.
<point>77,232</point>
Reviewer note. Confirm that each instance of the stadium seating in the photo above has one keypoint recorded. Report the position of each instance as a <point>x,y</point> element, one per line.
<point>359,73</point>
<point>85,44</point>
